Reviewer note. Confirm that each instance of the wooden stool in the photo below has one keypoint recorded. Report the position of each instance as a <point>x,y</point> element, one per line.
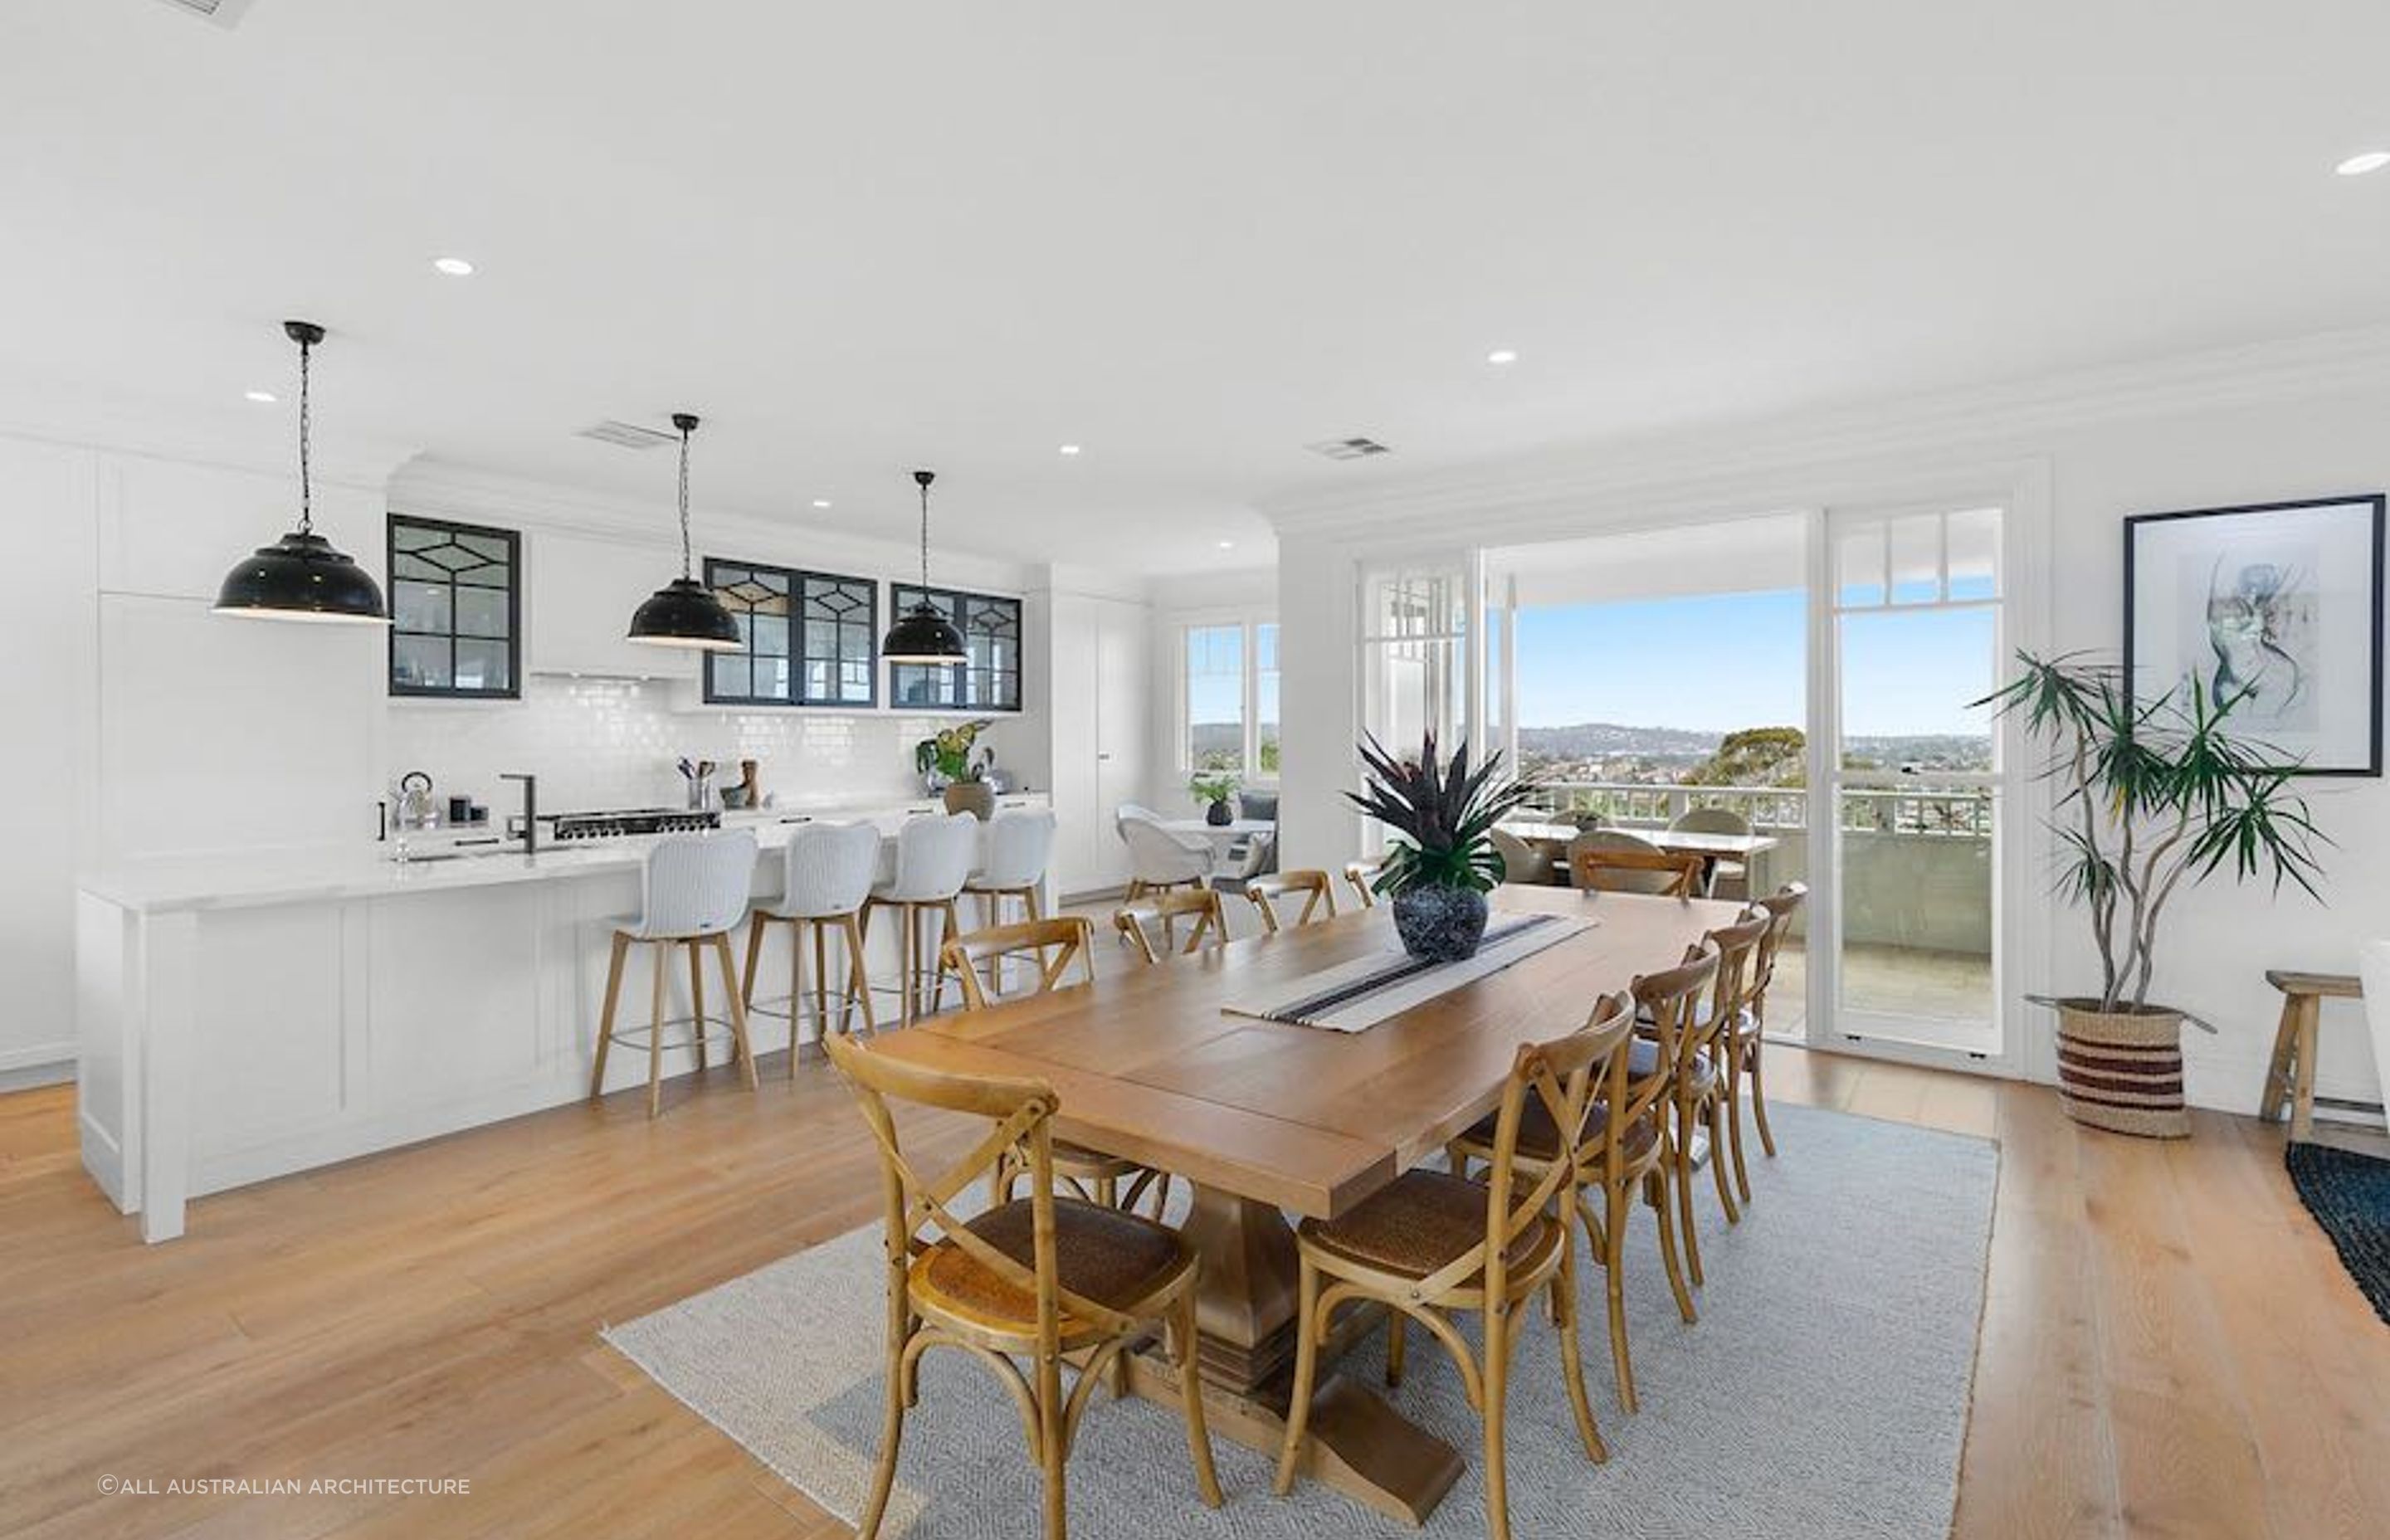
<point>2290,1075</point>
<point>695,888</point>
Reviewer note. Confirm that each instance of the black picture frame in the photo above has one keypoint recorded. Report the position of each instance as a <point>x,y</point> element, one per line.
<point>2145,530</point>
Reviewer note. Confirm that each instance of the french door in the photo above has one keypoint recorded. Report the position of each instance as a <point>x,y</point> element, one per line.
<point>1908,795</point>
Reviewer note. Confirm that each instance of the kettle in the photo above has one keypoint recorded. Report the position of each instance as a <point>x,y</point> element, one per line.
<point>416,808</point>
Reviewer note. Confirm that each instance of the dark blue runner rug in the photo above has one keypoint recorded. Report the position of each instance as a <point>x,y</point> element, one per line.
<point>2349,1195</point>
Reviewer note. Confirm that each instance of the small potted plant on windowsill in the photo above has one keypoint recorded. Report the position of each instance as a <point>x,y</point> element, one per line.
<point>1213,788</point>
<point>948,763</point>
<point>2152,794</point>
<point>1442,861</point>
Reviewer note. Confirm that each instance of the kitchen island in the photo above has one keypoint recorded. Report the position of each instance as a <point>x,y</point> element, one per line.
<point>250,1014</point>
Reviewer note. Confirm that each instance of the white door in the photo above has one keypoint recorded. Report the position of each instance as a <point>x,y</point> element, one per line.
<point>1122,730</point>
<point>1909,796</point>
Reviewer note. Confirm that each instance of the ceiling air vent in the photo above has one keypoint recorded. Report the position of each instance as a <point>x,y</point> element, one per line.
<point>223,13</point>
<point>1348,449</point>
<point>628,435</point>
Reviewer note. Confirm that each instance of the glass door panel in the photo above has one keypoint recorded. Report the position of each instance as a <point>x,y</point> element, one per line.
<point>1912,783</point>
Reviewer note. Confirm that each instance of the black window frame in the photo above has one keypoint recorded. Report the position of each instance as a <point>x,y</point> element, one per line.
<point>799,580</point>
<point>512,539</point>
<point>956,605</point>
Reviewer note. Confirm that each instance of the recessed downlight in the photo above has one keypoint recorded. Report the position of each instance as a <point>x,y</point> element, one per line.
<point>1503,355</point>
<point>456,267</point>
<point>821,502</point>
<point>2358,166</point>
<point>263,398</point>
<point>1068,449</point>
<point>1228,545</point>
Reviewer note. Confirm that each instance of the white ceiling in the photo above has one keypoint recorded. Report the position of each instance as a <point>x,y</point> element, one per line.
<point>1193,239</point>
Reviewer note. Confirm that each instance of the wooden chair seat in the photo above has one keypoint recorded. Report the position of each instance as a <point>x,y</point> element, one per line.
<point>1421,1221</point>
<point>1116,1259</point>
<point>1076,1161</point>
<point>1539,1137</point>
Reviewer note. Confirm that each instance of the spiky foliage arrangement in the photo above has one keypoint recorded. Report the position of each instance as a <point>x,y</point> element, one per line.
<point>2153,792</point>
<point>1442,816</point>
<point>1216,785</point>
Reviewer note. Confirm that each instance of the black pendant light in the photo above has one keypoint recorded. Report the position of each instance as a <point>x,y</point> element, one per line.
<point>923,634</point>
<point>683,613</point>
<point>301,576</point>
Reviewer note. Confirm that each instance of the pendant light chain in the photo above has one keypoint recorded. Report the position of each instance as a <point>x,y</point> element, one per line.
<point>925,533</point>
<point>685,561</point>
<point>306,480</point>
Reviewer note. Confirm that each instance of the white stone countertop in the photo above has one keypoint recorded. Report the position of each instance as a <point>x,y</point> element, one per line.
<point>260,878</point>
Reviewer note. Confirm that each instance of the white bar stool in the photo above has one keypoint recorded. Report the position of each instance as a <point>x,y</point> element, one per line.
<point>830,868</point>
<point>693,893</point>
<point>934,856</point>
<point>1013,863</point>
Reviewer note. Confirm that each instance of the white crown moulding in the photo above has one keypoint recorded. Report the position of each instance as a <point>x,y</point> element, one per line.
<point>1967,420</point>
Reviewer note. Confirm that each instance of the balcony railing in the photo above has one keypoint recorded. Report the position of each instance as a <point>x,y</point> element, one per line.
<point>1956,814</point>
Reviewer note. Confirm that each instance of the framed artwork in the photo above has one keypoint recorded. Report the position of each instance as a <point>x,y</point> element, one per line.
<point>2279,604</point>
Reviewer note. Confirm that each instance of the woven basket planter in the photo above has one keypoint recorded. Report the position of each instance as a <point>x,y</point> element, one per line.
<point>2122,1071</point>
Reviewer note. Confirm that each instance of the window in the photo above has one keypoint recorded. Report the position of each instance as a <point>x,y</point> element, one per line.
<point>809,637</point>
<point>456,610</point>
<point>1265,698</point>
<point>1229,697</point>
<point>989,679</point>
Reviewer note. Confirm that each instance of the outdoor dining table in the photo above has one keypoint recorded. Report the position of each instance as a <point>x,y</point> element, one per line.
<point>1710,845</point>
<point>1265,1119</point>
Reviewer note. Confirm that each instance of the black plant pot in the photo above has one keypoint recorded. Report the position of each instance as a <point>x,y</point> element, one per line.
<point>1218,815</point>
<point>1440,924</point>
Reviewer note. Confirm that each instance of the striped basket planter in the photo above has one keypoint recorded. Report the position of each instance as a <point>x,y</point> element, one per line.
<point>2122,1072</point>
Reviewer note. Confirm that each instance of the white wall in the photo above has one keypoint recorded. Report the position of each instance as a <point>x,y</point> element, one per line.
<point>2257,427</point>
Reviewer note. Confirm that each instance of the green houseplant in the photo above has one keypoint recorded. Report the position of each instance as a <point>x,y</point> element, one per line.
<point>1442,861</point>
<point>953,763</point>
<point>2152,794</point>
<point>1213,788</point>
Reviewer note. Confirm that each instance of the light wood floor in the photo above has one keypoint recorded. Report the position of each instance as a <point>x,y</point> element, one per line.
<point>2169,1348</point>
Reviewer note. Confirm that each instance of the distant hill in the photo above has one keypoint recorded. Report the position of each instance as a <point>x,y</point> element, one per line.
<point>1587,740</point>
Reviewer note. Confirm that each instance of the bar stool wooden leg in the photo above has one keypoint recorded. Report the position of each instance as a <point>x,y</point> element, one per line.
<point>909,974</point>
<point>697,1003</point>
<point>796,990</point>
<point>606,1019</point>
<point>756,924</point>
<point>738,1011</point>
<point>859,983</point>
<point>662,954</point>
<point>821,975</point>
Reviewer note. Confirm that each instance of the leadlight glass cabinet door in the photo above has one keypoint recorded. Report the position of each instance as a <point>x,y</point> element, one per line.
<point>841,641</point>
<point>456,610</point>
<point>989,677</point>
<point>759,601</point>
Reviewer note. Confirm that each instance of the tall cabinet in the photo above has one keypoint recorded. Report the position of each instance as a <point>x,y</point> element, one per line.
<point>1098,671</point>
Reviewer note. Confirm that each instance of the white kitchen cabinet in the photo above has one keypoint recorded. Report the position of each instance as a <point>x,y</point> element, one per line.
<point>1100,733</point>
<point>579,593</point>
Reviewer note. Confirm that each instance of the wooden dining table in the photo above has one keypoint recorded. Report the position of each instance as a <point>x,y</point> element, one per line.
<point>1267,1120</point>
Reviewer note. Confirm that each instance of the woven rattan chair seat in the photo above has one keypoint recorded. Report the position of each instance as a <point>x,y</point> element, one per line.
<point>1115,1259</point>
<point>1417,1223</point>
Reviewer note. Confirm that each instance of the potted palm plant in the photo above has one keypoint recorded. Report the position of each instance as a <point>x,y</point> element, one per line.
<point>2153,794</point>
<point>952,762</point>
<point>1442,862</point>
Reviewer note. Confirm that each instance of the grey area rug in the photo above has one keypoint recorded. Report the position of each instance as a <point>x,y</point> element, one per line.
<point>1823,1395</point>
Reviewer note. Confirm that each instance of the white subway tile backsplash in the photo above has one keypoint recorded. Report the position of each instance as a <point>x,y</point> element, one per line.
<point>596,743</point>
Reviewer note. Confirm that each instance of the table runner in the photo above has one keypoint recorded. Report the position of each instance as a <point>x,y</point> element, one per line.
<point>1358,994</point>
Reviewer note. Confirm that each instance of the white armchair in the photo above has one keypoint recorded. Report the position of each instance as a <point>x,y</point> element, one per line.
<point>1159,858</point>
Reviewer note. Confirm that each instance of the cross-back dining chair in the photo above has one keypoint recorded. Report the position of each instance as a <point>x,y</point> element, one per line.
<point>1362,876</point>
<point>1697,1121</point>
<point>1033,1278</point>
<point>1431,1245</point>
<point>1268,893</point>
<point>1162,911</point>
<point>1619,1154</point>
<point>1612,861</point>
<point>1746,1058</point>
<point>1050,947</point>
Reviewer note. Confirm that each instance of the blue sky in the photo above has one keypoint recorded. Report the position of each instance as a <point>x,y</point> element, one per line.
<point>1727,660</point>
